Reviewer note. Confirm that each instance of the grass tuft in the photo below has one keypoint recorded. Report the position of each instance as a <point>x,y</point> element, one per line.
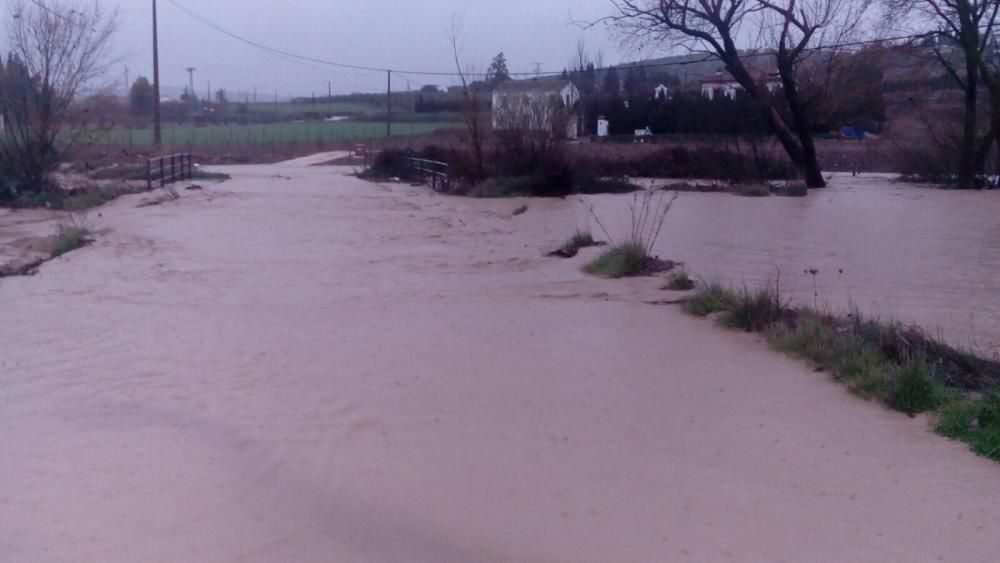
<point>710,298</point>
<point>899,366</point>
<point>847,356</point>
<point>620,261</point>
<point>975,421</point>
<point>680,281</point>
<point>754,311</point>
<point>520,210</point>
<point>69,239</point>
<point>915,390</point>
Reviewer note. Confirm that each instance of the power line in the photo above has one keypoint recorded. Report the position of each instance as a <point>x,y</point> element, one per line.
<point>61,15</point>
<point>358,67</point>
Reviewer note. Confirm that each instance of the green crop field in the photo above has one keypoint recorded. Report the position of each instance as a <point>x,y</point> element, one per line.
<point>235,135</point>
<point>287,108</point>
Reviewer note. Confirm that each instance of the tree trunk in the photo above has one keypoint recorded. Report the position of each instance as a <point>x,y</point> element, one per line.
<point>967,155</point>
<point>809,166</point>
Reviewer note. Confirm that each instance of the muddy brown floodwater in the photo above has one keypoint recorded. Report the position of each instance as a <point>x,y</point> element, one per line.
<point>299,366</point>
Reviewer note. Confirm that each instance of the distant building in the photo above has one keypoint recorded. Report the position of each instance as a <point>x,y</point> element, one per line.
<point>537,105</point>
<point>723,84</point>
<point>661,92</point>
<point>603,126</point>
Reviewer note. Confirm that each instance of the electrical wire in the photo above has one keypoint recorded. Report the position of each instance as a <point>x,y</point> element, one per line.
<point>366,68</point>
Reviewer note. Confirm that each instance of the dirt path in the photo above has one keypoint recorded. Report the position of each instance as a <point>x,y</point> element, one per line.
<point>299,366</point>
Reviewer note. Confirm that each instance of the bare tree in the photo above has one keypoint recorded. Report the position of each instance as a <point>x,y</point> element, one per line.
<point>785,31</point>
<point>57,49</point>
<point>966,27</point>
<point>963,28</point>
<point>471,104</point>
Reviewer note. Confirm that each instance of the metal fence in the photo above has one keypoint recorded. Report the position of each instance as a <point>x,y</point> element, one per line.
<point>169,169</point>
<point>437,174</point>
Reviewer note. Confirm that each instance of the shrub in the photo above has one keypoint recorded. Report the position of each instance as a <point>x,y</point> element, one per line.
<point>623,260</point>
<point>551,183</point>
<point>91,198</point>
<point>512,186</point>
<point>593,185</point>
<point>754,190</point>
<point>710,163</point>
<point>390,163</point>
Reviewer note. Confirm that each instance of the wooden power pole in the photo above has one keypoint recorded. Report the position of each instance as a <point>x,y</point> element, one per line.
<point>388,105</point>
<point>157,131</point>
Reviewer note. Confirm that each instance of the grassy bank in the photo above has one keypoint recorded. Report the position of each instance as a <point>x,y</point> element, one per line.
<point>899,366</point>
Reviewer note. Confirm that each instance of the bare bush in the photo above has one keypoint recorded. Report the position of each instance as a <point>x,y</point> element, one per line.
<point>648,212</point>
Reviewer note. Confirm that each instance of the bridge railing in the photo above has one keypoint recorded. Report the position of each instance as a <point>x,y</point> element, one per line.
<point>169,169</point>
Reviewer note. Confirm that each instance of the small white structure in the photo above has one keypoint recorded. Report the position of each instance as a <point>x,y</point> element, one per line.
<point>603,127</point>
<point>661,92</point>
<point>647,132</point>
<point>726,85</point>
<point>537,105</point>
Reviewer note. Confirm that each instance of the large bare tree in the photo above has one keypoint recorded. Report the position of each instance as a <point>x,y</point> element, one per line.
<point>740,32</point>
<point>965,27</point>
<point>57,48</point>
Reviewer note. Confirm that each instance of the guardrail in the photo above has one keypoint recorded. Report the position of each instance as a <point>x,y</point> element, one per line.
<point>169,169</point>
<point>437,173</point>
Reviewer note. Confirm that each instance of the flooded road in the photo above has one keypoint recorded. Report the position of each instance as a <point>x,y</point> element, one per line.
<point>299,366</point>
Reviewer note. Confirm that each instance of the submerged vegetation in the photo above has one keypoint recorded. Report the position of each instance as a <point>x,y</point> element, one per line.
<point>900,366</point>
<point>680,281</point>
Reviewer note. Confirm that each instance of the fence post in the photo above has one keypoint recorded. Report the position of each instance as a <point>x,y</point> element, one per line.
<point>149,174</point>
<point>173,170</point>
<point>163,180</point>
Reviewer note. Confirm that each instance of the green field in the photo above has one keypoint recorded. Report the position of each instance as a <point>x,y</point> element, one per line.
<point>276,133</point>
<point>287,108</point>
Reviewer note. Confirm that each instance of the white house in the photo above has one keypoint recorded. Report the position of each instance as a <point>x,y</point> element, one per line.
<point>661,92</point>
<point>725,85</point>
<point>537,105</point>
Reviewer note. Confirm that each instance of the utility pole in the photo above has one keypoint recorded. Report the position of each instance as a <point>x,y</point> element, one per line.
<point>208,98</point>
<point>190,70</point>
<point>126,82</point>
<point>329,96</point>
<point>254,95</point>
<point>388,105</point>
<point>157,131</point>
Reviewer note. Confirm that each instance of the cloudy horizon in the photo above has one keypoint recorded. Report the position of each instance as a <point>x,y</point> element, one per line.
<point>376,33</point>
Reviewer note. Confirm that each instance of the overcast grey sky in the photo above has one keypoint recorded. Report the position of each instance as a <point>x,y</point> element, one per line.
<point>381,33</point>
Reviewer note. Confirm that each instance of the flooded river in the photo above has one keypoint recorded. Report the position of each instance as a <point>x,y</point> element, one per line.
<point>896,251</point>
<point>297,365</point>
